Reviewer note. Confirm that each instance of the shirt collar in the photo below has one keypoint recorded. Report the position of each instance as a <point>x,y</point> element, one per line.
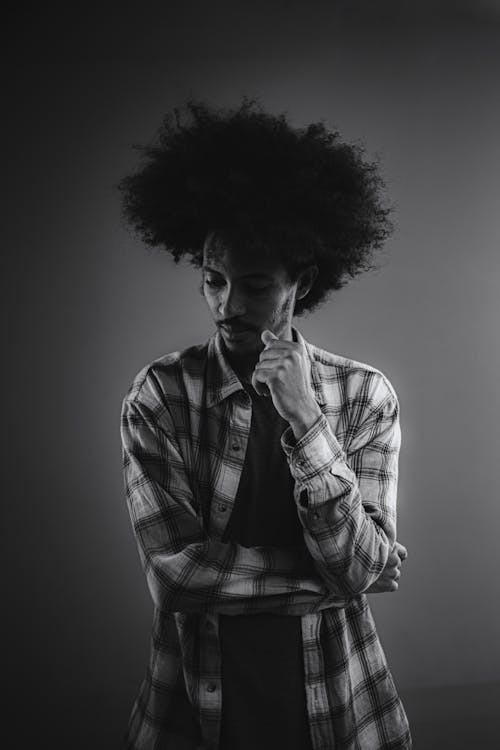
<point>222,381</point>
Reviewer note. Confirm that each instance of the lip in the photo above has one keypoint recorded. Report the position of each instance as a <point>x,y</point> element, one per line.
<point>235,332</point>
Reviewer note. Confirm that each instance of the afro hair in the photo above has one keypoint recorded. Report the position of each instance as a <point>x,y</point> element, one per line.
<point>302,194</point>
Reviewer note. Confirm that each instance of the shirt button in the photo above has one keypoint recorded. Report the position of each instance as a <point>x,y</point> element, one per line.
<point>316,516</point>
<point>211,687</point>
<point>235,447</point>
<point>222,508</point>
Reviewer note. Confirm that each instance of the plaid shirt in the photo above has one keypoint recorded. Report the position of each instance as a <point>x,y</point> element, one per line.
<point>185,425</point>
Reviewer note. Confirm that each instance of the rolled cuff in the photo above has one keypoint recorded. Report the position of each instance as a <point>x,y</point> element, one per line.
<point>314,453</point>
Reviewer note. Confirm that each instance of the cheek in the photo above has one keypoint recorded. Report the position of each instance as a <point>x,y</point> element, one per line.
<point>289,304</point>
<point>283,308</point>
<point>210,297</point>
<point>286,304</point>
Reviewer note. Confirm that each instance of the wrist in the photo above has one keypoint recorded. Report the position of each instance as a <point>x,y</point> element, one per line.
<point>303,422</point>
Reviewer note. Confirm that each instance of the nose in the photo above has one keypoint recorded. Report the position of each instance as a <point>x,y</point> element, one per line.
<point>231,303</point>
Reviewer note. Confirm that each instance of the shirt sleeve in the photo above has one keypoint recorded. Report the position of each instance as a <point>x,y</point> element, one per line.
<point>187,571</point>
<point>347,501</point>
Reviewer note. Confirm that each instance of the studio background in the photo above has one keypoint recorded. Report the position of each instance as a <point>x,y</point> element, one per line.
<point>89,306</point>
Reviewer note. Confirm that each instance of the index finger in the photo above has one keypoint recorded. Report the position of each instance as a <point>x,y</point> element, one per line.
<point>275,342</point>
<point>267,336</point>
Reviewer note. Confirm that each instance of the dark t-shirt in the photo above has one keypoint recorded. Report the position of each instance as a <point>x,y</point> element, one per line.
<point>263,692</point>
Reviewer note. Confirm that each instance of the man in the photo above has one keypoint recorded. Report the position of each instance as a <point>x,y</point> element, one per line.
<point>260,470</point>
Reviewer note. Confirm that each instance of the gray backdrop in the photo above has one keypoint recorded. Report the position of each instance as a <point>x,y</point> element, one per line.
<point>89,306</point>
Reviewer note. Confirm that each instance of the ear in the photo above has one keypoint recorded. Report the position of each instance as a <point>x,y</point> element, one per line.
<point>305,281</point>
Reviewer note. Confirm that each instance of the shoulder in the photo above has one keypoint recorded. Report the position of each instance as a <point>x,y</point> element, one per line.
<point>361,384</point>
<point>168,379</point>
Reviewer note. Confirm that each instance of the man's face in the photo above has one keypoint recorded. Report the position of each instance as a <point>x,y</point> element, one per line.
<point>247,295</point>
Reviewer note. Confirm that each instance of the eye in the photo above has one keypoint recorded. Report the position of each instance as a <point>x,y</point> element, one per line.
<point>254,289</point>
<point>213,282</point>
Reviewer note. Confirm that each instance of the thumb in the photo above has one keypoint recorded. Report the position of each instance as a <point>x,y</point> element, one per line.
<point>267,336</point>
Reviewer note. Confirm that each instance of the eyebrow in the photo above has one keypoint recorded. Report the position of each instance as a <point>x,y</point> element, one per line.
<point>265,276</point>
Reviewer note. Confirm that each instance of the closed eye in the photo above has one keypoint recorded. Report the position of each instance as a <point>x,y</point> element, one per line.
<point>257,289</point>
<point>249,288</point>
<point>213,282</point>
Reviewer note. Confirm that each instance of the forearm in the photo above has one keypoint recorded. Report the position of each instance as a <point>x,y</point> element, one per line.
<point>227,578</point>
<point>349,552</point>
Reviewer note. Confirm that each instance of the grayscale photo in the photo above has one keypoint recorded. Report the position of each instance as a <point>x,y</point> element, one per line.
<point>253,287</point>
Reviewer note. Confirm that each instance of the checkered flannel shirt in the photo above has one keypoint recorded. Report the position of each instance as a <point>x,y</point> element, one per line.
<point>185,425</point>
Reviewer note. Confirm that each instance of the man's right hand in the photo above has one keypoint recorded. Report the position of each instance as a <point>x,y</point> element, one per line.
<point>389,578</point>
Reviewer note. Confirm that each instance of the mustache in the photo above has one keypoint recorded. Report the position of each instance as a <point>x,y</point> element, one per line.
<point>236,325</point>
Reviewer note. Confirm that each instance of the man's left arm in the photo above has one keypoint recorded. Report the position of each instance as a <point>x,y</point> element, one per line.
<point>346,504</point>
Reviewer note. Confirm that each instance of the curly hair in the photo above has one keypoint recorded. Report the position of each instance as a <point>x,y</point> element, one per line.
<point>257,182</point>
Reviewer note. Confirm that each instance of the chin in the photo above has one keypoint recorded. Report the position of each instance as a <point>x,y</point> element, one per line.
<point>250,343</point>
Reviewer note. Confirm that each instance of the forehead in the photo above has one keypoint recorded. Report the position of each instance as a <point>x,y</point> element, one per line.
<point>241,260</point>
